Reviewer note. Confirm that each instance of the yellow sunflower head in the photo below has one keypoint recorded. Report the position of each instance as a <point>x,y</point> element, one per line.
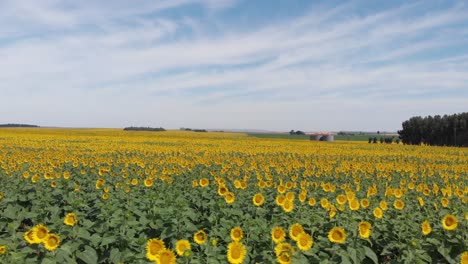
<point>148,182</point>
<point>337,235</point>
<point>166,256</point>
<point>280,200</point>
<point>383,205</point>
<point>312,201</point>
<point>304,242</point>
<point>237,234</point>
<point>364,229</point>
<point>222,190</point>
<point>341,199</point>
<point>464,258</point>
<point>295,230</point>
<point>365,203</point>
<point>282,248</point>
<point>204,182</point>
<point>51,242</point>
<point>29,237</point>
<point>3,249</point>
<point>258,199</point>
<point>353,204</point>
<point>182,246</point>
<point>399,204</point>
<point>230,198</point>
<point>200,237</point>
<point>278,234</point>
<point>288,205</point>
<point>40,233</point>
<point>70,219</point>
<point>426,228</point>
<point>377,212</point>
<point>449,222</point>
<point>236,252</point>
<point>153,247</point>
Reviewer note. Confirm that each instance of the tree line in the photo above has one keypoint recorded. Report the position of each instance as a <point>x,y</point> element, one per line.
<point>17,125</point>
<point>144,129</point>
<point>447,130</point>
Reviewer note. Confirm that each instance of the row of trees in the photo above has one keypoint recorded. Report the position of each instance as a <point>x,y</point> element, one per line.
<point>17,125</point>
<point>447,130</point>
<point>144,129</point>
<point>292,132</point>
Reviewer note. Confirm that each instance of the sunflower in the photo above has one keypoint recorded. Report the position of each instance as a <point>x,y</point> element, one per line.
<point>426,228</point>
<point>365,203</point>
<point>70,219</point>
<point>466,216</point>
<point>464,258</point>
<point>364,229</point>
<point>200,237</point>
<point>445,202</point>
<point>399,204</point>
<point>324,203</point>
<point>450,222</point>
<point>284,258</point>
<point>204,182</point>
<point>341,199</point>
<point>337,235</point>
<point>420,201</point>
<point>283,247</point>
<point>258,199</point>
<point>304,242</point>
<point>166,256</point>
<point>99,183</point>
<point>237,234</point>
<point>229,197</point>
<point>53,184</point>
<point>378,212</point>
<point>278,234</point>
<point>39,233</point>
<point>51,242</point>
<point>182,246</point>
<point>295,230</point>
<point>290,196</point>
<point>383,205</point>
<point>148,182</point>
<point>105,196</point>
<point>236,252</point>
<point>153,247</point>
<point>134,182</point>
<point>222,190</point>
<point>288,205</point>
<point>353,204</point>
<point>29,237</point>
<point>3,249</point>
<point>280,200</point>
<point>281,189</point>
<point>312,201</point>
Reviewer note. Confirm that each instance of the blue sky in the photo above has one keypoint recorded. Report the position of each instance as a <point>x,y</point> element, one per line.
<point>257,64</point>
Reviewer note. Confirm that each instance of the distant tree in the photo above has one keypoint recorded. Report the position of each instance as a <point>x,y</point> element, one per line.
<point>375,140</point>
<point>370,140</point>
<point>298,132</point>
<point>292,132</point>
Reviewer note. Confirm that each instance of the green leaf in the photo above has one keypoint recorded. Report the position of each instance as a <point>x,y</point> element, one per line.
<point>371,254</point>
<point>115,255</point>
<point>89,255</point>
<point>107,240</point>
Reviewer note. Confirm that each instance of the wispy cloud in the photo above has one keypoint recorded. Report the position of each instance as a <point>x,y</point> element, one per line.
<point>146,56</point>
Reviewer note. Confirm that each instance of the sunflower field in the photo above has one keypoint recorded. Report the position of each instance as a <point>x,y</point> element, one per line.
<point>112,196</point>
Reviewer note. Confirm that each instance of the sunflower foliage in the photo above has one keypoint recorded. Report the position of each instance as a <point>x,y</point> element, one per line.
<point>108,196</point>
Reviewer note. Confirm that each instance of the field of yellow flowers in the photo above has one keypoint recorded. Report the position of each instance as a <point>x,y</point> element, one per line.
<point>111,196</point>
